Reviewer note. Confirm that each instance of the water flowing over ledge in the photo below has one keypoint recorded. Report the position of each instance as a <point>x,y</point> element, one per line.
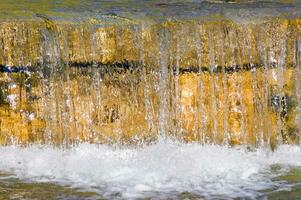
<point>161,170</point>
<point>206,71</point>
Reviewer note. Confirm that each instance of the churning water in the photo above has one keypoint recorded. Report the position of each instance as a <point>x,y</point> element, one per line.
<point>165,169</point>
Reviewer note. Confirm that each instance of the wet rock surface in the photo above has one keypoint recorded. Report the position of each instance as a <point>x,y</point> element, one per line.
<point>211,71</point>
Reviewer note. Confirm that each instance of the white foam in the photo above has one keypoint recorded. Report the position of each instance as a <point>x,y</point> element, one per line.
<point>165,167</point>
<point>12,100</point>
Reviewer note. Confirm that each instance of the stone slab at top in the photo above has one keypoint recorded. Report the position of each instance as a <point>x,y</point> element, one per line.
<point>158,11</point>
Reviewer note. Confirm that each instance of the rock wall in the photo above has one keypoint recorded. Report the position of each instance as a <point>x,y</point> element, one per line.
<point>213,81</point>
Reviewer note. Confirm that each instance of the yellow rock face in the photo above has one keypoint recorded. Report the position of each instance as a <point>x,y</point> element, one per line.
<point>205,99</point>
<point>125,108</point>
<point>32,42</point>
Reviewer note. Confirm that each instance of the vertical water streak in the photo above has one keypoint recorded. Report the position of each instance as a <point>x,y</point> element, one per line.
<point>66,89</point>
<point>201,111</point>
<point>119,45</point>
<point>163,82</point>
<point>19,59</point>
<point>176,87</point>
<point>236,63</point>
<point>89,103</point>
<point>96,92</point>
<point>297,61</point>
<point>147,97</point>
<point>2,47</point>
<point>20,39</point>
<point>266,116</point>
<point>83,49</point>
<point>299,99</point>
<point>243,112</point>
<point>70,100</point>
<point>282,98</point>
<point>26,56</point>
<point>49,60</point>
<point>57,86</point>
<point>212,69</point>
<point>226,136</point>
<point>58,68</point>
<point>257,106</point>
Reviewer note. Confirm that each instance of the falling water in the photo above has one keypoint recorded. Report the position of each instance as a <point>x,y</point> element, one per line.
<point>200,88</point>
<point>297,59</point>
<point>128,84</point>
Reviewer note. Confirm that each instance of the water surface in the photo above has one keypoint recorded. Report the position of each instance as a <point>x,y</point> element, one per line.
<point>163,170</point>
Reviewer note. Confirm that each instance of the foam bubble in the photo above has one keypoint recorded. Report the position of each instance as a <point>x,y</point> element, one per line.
<point>163,168</point>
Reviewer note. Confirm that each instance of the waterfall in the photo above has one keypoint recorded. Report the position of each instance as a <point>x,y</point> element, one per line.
<point>220,83</point>
<point>145,99</point>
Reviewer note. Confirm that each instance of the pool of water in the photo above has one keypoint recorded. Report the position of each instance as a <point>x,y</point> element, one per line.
<point>13,188</point>
<point>163,170</point>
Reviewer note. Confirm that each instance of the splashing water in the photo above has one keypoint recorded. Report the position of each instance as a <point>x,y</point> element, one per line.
<point>161,170</point>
